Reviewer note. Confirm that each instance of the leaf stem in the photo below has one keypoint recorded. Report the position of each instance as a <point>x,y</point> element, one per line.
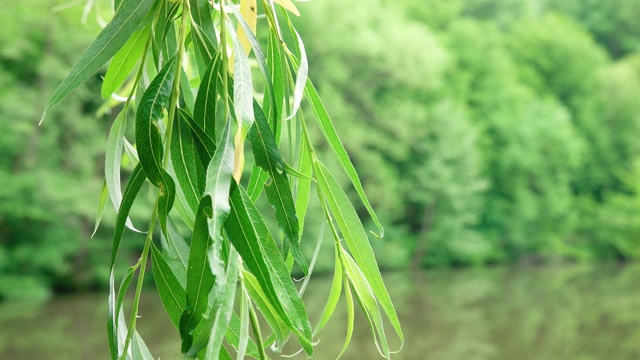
<point>143,262</point>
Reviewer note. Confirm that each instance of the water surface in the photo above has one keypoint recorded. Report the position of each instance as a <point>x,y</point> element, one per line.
<point>499,313</point>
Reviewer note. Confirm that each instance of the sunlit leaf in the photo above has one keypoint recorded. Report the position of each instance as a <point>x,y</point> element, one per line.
<point>204,113</point>
<point>125,60</point>
<point>334,296</point>
<point>249,13</point>
<point>287,4</point>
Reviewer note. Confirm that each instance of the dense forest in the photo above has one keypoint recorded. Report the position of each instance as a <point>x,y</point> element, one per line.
<point>485,131</point>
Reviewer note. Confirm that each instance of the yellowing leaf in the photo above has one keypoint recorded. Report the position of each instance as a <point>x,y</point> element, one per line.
<point>287,4</point>
<point>249,12</point>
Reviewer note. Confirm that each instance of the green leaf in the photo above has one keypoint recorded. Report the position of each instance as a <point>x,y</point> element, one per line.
<point>276,323</point>
<point>216,323</point>
<point>367,301</point>
<point>257,51</point>
<point>106,45</point>
<point>350,316</point>
<point>124,61</point>
<point>188,169</point>
<point>233,336</point>
<point>278,71</point>
<point>203,34</point>
<point>242,86</point>
<point>304,185</point>
<point>243,341</point>
<point>176,251</point>
<point>199,278</point>
<point>219,173</point>
<point>149,141</point>
<point>278,191</point>
<point>356,239</point>
<point>131,191</point>
<point>171,292</point>
<point>334,296</point>
<point>329,132</point>
<point>204,143</point>
<point>112,162</point>
<point>301,77</point>
<point>256,182</point>
<point>104,195</point>
<point>250,236</point>
<point>204,112</point>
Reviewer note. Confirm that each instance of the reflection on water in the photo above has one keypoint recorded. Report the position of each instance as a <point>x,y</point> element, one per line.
<point>500,313</point>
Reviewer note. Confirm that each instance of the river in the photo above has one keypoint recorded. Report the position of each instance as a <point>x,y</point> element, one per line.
<point>568,312</point>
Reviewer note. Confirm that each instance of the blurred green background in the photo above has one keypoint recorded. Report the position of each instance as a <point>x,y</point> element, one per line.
<point>491,135</point>
<point>485,131</point>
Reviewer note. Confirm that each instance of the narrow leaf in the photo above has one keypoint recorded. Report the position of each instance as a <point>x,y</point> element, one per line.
<point>356,239</point>
<point>188,169</point>
<point>106,45</point>
<point>301,77</point>
<point>329,132</point>
<point>124,61</point>
<point>368,302</point>
<point>204,112</point>
<point>104,195</point>
<point>175,251</point>
<point>334,296</point>
<point>113,160</point>
<point>203,33</point>
<point>217,187</point>
<point>199,279</point>
<point>171,292</point>
<point>250,236</point>
<point>149,141</point>
<point>278,191</point>
<point>242,86</point>
<point>216,323</point>
<point>287,4</point>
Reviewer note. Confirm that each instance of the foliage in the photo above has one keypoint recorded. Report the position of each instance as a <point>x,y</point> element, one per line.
<point>484,131</point>
<point>184,69</point>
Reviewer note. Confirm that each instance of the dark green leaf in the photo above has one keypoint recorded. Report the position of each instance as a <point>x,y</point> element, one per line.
<point>250,236</point>
<point>216,323</point>
<point>278,191</point>
<point>204,112</point>
<point>149,141</point>
<point>108,43</point>
<point>131,191</point>
<point>189,170</point>
<point>171,292</point>
<point>199,278</point>
<point>203,34</point>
